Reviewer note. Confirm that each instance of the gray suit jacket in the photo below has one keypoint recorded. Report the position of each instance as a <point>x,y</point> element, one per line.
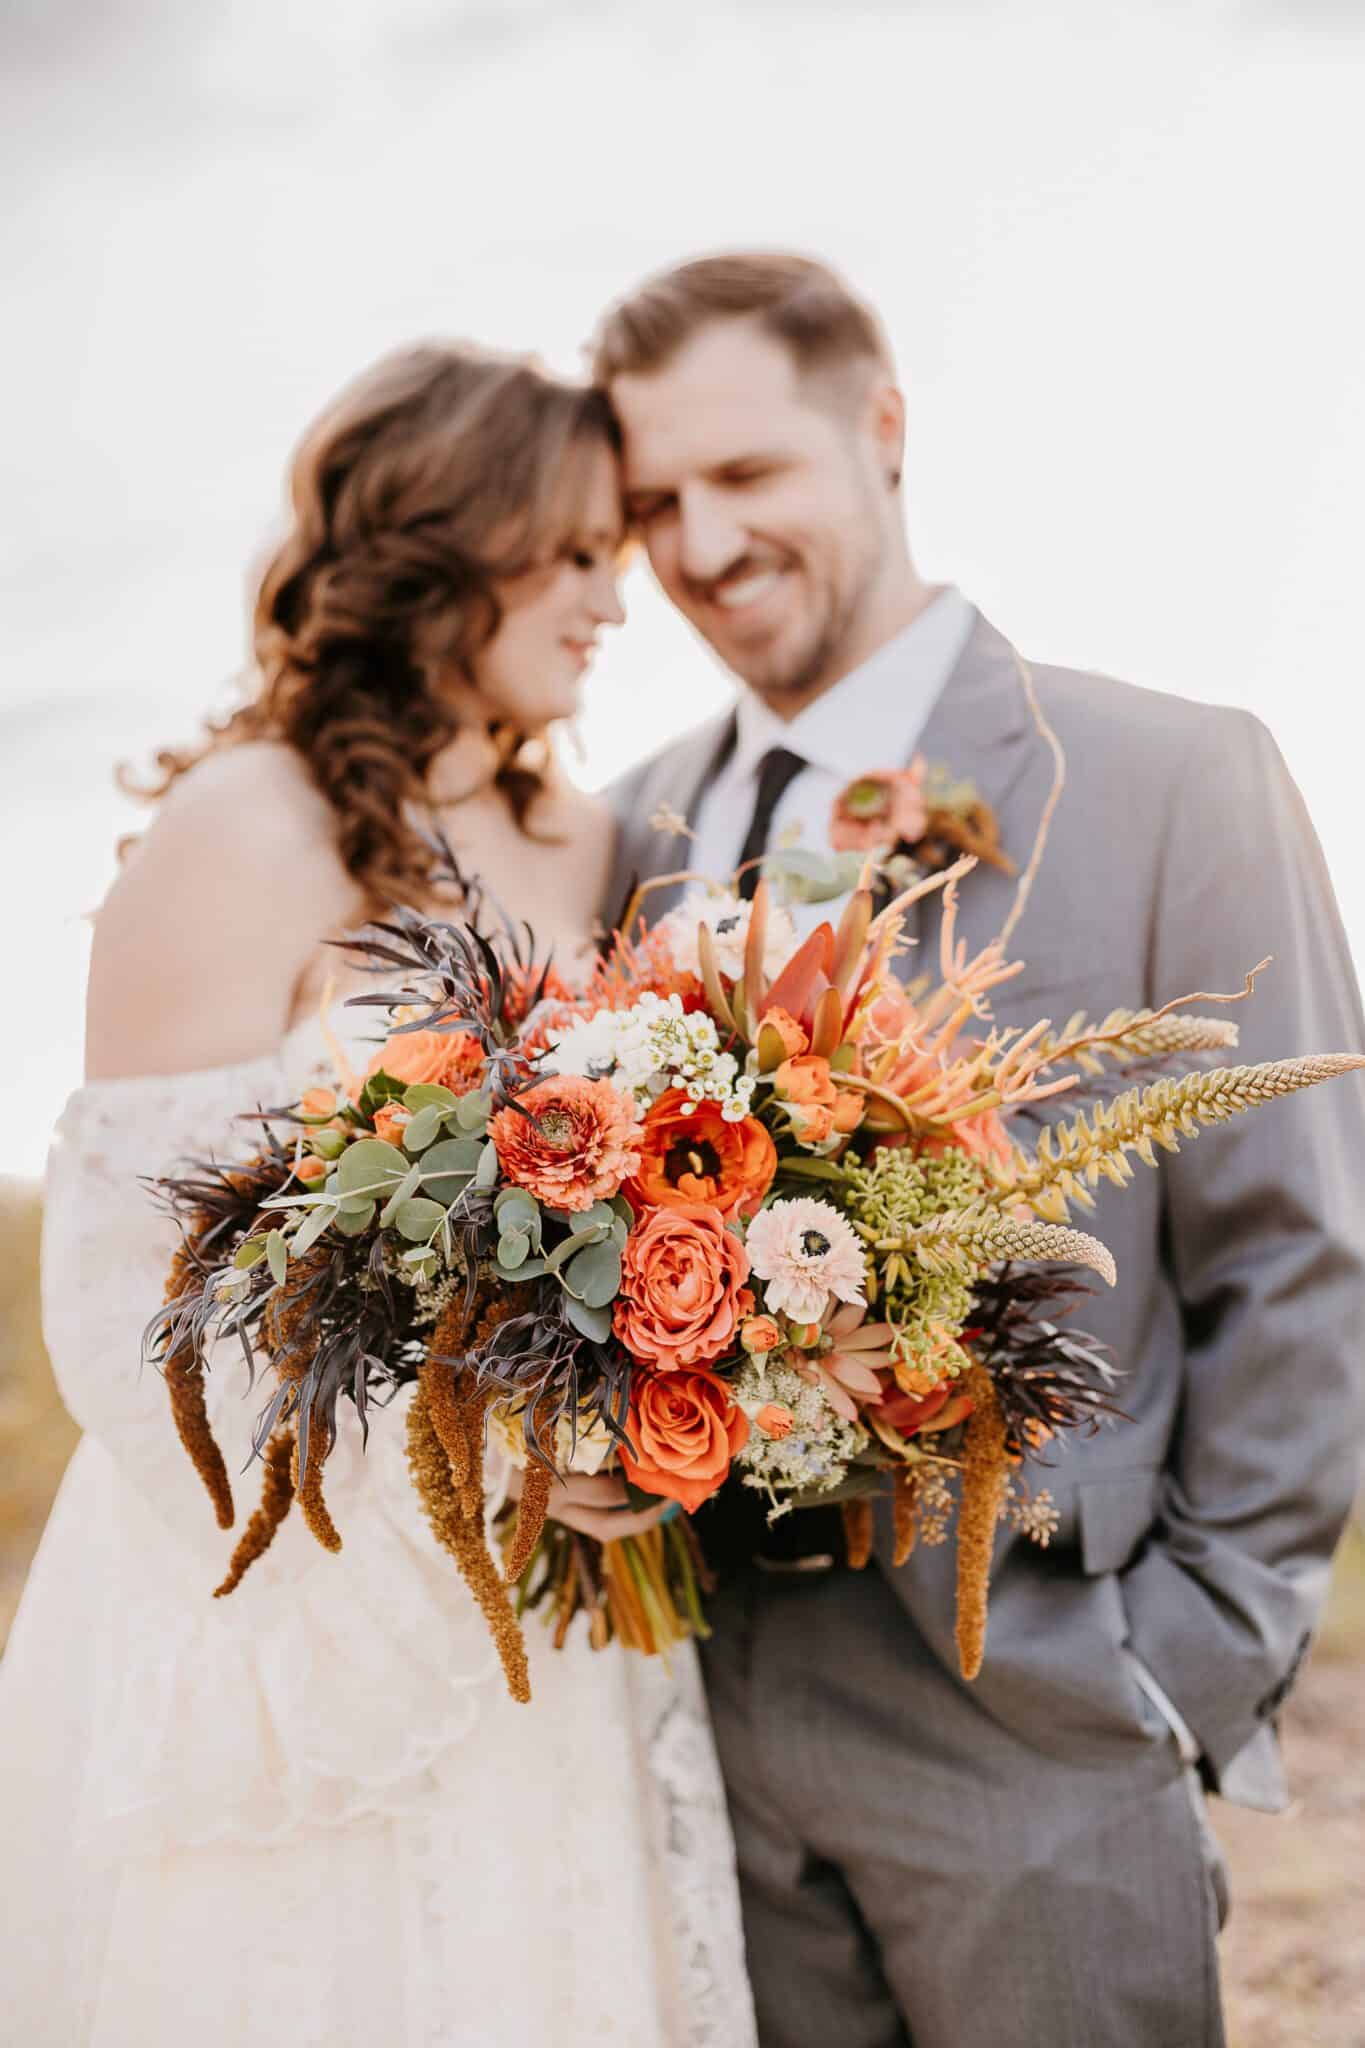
<point>1200,1534</point>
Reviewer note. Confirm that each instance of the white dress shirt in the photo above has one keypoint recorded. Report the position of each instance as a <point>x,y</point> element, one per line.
<point>868,722</point>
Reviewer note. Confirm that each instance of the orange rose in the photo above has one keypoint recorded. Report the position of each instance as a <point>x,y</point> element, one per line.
<point>759,1335</point>
<point>310,1167</point>
<point>318,1102</point>
<point>701,1158</point>
<point>390,1123</point>
<point>682,1293</point>
<point>774,1420</point>
<point>684,1428</point>
<point>451,1058</point>
<point>812,1126</point>
<point>806,1080</point>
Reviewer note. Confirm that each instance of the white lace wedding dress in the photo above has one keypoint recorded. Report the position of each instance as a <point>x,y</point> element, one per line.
<point>308,1814</point>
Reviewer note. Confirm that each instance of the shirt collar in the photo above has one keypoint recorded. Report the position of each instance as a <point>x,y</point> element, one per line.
<point>872,718</point>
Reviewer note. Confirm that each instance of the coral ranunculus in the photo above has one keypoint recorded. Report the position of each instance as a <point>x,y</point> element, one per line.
<point>682,1293</point>
<point>685,1429</point>
<point>702,1158</point>
<point>575,1146</point>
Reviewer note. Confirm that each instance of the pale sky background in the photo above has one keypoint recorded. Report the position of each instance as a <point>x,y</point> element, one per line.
<point>1116,246</point>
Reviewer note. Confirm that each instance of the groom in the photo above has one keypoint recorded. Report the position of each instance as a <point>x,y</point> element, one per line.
<point>1022,1861</point>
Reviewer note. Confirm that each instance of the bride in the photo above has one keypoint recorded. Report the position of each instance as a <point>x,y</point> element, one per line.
<point>309,1814</point>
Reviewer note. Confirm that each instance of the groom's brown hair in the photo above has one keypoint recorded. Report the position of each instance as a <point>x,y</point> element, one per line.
<point>798,301</point>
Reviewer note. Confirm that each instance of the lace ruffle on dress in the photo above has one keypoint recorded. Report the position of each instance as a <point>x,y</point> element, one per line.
<point>309,1813</point>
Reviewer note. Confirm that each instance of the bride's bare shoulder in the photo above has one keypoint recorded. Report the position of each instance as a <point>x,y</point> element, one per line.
<point>213,914</point>
<point>241,811</point>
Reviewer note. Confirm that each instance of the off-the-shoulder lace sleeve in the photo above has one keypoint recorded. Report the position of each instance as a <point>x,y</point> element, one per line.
<point>385,1626</point>
<point>106,1251</point>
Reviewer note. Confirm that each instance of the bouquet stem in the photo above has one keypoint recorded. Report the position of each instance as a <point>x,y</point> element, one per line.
<point>644,1591</point>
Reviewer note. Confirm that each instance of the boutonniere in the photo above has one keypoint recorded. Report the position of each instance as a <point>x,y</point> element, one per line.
<point>921,816</point>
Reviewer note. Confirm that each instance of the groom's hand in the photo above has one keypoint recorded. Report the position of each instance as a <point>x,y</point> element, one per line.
<point>598,1507</point>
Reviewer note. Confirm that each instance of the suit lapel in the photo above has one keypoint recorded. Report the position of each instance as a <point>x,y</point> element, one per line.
<point>980,730</point>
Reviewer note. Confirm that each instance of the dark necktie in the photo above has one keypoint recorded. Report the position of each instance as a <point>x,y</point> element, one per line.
<point>778,767</point>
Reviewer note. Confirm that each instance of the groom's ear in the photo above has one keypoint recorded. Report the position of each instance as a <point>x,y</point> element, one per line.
<point>885,418</point>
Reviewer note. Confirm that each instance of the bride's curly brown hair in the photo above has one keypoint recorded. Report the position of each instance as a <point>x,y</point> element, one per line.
<point>438,472</point>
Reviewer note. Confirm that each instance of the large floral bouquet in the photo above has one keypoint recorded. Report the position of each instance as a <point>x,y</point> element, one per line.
<point>741,1211</point>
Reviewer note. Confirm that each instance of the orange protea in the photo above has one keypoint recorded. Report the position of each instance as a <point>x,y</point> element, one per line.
<point>697,1156</point>
<point>577,1143</point>
<point>522,985</point>
<point>637,967</point>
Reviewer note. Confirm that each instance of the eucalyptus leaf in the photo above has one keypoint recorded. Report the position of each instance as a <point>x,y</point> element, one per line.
<point>514,1246</point>
<point>589,1322</point>
<point>529,1269</point>
<point>594,1274</point>
<point>424,1127</point>
<point>418,1218</point>
<point>408,1185</point>
<point>573,1244</point>
<point>518,1209</point>
<point>277,1254</point>
<point>807,876</point>
<point>249,1254</point>
<point>488,1166</point>
<point>312,1227</point>
<point>429,1095</point>
<point>370,1165</point>
<point>355,1222</point>
<point>448,1167</point>
<point>471,1111</point>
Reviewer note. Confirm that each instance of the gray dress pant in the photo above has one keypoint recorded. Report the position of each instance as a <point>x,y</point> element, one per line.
<point>913,1873</point>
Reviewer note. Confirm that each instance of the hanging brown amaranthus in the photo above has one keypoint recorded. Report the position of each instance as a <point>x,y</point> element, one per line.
<point>985,1468</point>
<point>463,1536</point>
<point>184,1376</point>
<point>277,1495</point>
<point>905,1513</point>
<point>308,1486</point>
<point>857,1533</point>
<point>532,1509</point>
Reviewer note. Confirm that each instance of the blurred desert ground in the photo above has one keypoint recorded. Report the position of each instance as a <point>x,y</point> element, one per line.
<point>1112,245</point>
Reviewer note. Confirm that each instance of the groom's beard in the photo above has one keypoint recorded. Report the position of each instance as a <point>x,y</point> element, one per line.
<point>787,681</point>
